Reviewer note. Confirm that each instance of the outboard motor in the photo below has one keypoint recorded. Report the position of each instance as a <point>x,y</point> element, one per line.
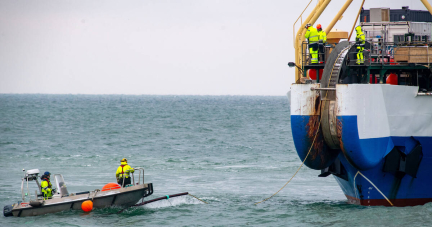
<point>7,210</point>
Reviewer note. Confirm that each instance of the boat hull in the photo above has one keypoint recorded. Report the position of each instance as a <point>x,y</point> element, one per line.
<point>385,135</point>
<point>374,187</point>
<point>123,197</point>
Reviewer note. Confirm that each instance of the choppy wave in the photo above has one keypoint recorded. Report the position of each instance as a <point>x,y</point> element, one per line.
<point>230,151</point>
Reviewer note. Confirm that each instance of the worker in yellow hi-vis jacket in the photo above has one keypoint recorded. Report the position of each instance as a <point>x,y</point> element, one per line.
<point>322,42</point>
<point>312,37</point>
<point>360,43</point>
<point>122,173</point>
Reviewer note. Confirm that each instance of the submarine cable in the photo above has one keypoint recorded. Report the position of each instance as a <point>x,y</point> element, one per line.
<point>319,124</point>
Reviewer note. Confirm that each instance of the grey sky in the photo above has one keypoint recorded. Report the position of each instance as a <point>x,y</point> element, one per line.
<point>228,47</point>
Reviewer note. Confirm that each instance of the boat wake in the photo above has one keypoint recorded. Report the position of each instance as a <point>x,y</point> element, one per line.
<point>177,201</point>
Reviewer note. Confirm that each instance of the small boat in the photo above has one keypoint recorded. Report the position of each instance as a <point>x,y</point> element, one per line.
<point>112,194</point>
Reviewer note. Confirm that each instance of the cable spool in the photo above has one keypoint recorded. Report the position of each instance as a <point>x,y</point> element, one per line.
<point>333,69</point>
<point>323,124</point>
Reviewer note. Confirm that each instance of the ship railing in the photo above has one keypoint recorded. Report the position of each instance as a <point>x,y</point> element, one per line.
<point>391,53</point>
<point>323,50</point>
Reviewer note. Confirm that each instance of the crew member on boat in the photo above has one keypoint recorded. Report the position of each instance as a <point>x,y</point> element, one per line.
<point>312,36</point>
<point>322,42</point>
<point>122,174</point>
<point>360,43</point>
<point>46,185</point>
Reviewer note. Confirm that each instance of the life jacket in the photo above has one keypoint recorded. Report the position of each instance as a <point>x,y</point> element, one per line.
<point>124,170</point>
<point>46,191</point>
<point>122,173</point>
<point>322,36</point>
<point>360,38</point>
<point>48,181</point>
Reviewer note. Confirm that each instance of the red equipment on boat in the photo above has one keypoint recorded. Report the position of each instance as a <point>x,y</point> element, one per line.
<point>110,186</point>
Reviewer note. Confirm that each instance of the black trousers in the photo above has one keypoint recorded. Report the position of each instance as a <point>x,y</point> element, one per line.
<point>321,56</point>
<point>127,181</point>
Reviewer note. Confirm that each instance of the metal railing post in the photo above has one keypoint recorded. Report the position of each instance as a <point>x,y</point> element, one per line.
<point>301,22</point>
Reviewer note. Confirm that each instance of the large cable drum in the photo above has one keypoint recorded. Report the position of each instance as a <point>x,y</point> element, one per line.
<point>335,66</point>
<point>313,115</point>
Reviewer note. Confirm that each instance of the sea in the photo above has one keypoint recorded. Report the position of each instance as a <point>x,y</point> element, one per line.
<point>228,151</point>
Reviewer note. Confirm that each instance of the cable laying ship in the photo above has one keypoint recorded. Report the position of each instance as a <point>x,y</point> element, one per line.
<point>369,124</point>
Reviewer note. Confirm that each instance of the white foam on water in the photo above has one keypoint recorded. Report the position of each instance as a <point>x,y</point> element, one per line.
<point>234,166</point>
<point>176,201</point>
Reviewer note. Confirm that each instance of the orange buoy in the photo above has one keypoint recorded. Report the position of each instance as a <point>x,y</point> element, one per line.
<point>87,206</point>
<point>392,79</point>
<point>111,186</point>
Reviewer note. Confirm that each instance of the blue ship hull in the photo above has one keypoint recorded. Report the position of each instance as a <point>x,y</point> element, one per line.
<point>366,190</point>
<point>368,187</point>
<point>384,156</point>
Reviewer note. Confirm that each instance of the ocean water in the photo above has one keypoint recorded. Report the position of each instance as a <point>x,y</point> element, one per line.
<point>230,151</point>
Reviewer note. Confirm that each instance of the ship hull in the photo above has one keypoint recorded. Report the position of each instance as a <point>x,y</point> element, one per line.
<point>385,135</point>
<point>374,187</point>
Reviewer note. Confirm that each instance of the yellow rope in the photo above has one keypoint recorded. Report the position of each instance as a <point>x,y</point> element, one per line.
<point>297,169</point>
<point>358,172</point>
<point>314,136</point>
<point>197,198</point>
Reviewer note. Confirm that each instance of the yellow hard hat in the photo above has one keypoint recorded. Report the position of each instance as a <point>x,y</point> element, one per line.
<point>123,160</point>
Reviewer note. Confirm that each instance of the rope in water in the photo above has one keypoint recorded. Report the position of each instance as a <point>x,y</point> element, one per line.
<point>319,124</point>
<point>297,169</point>
<point>198,199</point>
<point>358,172</point>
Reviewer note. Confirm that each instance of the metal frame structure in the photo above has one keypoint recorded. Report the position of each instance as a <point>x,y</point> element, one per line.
<point>299,38</point>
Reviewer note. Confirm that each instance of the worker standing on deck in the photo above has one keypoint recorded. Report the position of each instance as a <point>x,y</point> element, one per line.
<point>122,174</point>
<point>322,42</point>
<point>312,37</point>
<point>46,186</point>
<point>360,43</point>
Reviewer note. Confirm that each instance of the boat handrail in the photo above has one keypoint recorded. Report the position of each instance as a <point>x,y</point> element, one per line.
<point>22,190</point>
<point>133,176</point>
<point>27,179</point>
<point>139,176</point>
